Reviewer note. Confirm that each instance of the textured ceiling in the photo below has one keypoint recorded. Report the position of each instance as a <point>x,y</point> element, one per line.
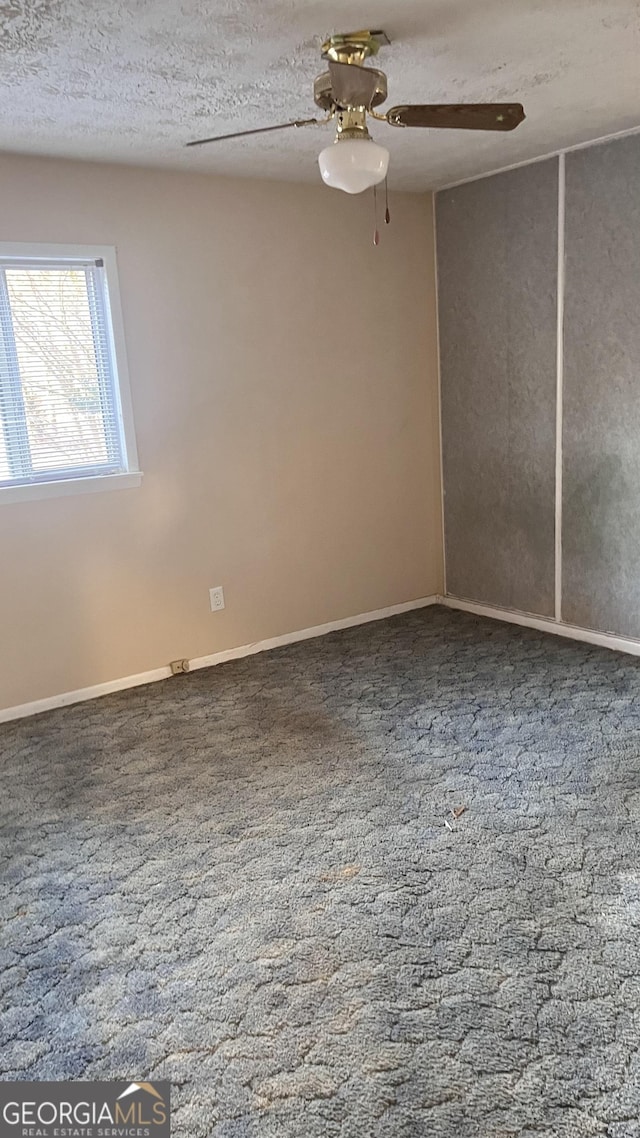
<point>132,80</point>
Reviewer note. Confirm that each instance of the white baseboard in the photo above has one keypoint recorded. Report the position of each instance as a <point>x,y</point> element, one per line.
<point>164,673</point>
<point>511,616</point>
<point>547,624</point>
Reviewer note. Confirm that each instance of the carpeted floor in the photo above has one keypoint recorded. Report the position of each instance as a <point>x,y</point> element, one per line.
<point>243,880</point>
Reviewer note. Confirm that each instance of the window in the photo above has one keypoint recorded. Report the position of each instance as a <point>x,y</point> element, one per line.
<point>65,417</point>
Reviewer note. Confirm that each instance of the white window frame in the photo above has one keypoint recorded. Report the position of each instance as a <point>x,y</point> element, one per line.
<point>132,475</point>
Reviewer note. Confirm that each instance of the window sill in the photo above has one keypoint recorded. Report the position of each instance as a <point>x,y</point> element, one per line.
<point>66,486</point>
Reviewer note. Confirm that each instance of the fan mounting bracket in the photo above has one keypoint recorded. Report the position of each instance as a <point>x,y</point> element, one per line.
<point>354,47</point>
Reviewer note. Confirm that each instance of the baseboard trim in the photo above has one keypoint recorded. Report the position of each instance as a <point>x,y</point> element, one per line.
<point>66,698</point>
<point>547,624</point>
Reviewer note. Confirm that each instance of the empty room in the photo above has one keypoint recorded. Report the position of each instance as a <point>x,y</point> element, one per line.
<point>319,569</point>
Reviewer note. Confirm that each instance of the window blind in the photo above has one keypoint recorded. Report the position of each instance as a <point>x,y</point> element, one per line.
<point>59,401</point>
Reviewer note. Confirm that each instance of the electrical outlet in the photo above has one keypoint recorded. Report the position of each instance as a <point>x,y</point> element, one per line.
<point>178,667</point>
<point>216,598</point>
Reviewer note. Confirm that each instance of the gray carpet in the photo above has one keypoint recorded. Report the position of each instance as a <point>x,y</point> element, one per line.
<point>242,880</point>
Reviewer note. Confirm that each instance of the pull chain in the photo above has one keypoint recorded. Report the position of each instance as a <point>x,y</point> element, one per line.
<point>387,215</point>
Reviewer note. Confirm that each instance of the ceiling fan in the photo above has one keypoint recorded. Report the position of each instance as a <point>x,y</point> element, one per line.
<point>349,91</point>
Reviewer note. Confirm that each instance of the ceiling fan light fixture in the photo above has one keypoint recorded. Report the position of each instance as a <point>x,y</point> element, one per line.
<point>353,164</point>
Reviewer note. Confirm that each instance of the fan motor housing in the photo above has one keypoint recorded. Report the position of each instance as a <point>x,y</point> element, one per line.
<point>323,94</point>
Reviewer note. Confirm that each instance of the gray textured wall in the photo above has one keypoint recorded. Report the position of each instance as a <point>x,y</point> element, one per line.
<point>601,444</point>
<point>497,267</point>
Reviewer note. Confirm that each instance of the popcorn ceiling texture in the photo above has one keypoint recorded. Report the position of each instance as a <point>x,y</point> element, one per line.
<point>242,881</point>
<point>133,80</point>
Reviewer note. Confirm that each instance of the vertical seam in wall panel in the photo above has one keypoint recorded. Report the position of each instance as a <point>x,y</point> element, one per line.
<point>559,385</point>
<point>439,379</point>
<point>604,138</point>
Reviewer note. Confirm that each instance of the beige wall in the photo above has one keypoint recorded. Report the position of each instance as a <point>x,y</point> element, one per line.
<point>283,375</point>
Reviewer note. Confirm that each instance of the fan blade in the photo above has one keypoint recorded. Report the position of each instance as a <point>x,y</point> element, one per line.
<point>352,85</point>
<point>257,130</point>
<point>460,116</point>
